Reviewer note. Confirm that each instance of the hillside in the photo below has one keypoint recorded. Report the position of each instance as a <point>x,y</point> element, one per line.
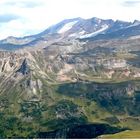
<point>64,81</point>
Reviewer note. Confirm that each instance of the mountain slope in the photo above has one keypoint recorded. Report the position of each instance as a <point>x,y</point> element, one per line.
<point>122,33</point>
<point>58,85</point>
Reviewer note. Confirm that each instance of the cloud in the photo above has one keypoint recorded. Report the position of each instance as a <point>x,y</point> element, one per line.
<point>23,3</point>
<point>8,17</point>
<point>130,3</point>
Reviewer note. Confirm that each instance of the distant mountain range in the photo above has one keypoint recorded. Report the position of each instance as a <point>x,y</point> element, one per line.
<point>77,28</point>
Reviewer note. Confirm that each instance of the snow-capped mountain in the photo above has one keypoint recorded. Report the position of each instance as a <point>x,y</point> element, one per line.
<point>90,28</point>
<point>77,28</point>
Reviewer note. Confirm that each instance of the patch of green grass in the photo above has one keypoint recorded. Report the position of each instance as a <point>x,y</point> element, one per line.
<point>123,135</point>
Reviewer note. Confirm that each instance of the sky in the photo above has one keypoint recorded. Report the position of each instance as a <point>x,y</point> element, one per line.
<point>26,17</point>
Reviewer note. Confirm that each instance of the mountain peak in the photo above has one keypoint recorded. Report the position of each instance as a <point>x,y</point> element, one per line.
<point>136,22</point>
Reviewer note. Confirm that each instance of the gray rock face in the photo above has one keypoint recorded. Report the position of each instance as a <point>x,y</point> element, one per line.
<point>24,69</point>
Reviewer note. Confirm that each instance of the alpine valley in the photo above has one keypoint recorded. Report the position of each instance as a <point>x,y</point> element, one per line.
<point>79,78</point>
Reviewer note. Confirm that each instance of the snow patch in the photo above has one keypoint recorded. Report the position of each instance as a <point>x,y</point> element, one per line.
<point>104,27</point>
<point>82,32</point>
<point>67,27</point>
<point>135,24</point>
<point>73,35</point>
<point>135,37</point>
<point>77,34</point>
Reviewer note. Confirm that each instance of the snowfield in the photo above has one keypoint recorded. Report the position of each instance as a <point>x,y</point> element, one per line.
<point>67,27</point>
<point>77,34</point>
<point>104,27</point>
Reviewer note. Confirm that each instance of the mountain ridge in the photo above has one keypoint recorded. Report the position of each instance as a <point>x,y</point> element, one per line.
<point>84,28</point>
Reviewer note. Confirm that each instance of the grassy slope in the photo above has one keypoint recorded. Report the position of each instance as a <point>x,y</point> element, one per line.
<point>123,135</point>
<point>51,96</point>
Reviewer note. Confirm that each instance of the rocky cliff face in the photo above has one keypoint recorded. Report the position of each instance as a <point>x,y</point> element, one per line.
<point>73,61</point>
<point>24,68</point>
